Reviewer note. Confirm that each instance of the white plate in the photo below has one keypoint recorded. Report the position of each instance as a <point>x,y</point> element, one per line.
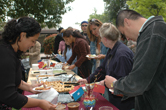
<point>33,96</point>
<point>40,90</point>
<point>90,56</point>
<point>111,90</point>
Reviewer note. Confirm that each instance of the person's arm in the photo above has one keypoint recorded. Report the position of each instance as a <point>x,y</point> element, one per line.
<point>45,105</point>
<point>27,87</point>
<point>62,46</point>
<point>99,73</point>
<point>143,75</point>
<point>83,51</point>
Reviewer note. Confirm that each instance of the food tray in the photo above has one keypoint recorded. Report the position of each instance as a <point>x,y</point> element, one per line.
<point>58,82</point>
<point>65,98</point>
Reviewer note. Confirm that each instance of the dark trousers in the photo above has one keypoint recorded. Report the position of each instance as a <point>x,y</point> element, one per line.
<point>85,69</point>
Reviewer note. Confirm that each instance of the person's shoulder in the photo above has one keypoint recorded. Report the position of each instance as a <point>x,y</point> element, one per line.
<point>6,52</point>
<point>123,50</point>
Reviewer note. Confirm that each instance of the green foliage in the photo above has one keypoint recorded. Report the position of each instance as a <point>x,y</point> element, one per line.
<point>102,17</point>
<point>46,12</point>
<point>49,44</point>
<point>112,7</point>
<point>149,7</point>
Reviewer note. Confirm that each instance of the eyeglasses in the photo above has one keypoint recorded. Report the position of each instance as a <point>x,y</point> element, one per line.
<point>93,20</point>
<point>84,25</point>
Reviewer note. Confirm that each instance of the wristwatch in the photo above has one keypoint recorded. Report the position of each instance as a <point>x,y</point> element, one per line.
<point>112,84</point>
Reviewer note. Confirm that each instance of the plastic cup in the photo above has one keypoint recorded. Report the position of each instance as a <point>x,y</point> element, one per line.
<point>61,107</point>
<point>73,106</point>
<point>105,108</point>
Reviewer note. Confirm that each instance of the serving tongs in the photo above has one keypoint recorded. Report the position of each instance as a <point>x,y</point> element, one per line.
<point>59,74</point>
<point>71,77</point>
<point>72,83</point>
<point>55,75</point>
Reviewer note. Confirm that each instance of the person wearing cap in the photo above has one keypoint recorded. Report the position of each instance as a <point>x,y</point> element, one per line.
<point>84,25</point>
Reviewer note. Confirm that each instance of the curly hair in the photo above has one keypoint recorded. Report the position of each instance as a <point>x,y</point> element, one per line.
<point>13,29</point>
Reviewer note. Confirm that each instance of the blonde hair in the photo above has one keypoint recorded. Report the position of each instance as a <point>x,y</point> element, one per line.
<point>109,31</point>
<point>94,22</point>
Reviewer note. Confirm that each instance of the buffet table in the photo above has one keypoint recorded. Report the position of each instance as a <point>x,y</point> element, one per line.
<point>101,101</point>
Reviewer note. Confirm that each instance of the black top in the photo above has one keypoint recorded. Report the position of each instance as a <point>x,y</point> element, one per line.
<point>10,77</point>
<point>58,38</point>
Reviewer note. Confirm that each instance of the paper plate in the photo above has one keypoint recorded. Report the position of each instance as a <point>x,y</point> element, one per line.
<point>94,56</point>
<point>40,90</point>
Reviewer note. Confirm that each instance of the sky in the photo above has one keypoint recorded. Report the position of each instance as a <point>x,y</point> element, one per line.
<point>81,9</point>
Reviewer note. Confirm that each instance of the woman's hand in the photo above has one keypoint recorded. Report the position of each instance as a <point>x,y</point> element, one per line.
<point>71,67</point>
<point>34,85</point>
<point>82,81</point>
<point>100,56</point>
<point>64,66</point>
<point>101,83</point>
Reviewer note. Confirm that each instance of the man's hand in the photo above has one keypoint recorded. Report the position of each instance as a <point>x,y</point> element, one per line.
<point>109,80</point>
<point>82,81</point>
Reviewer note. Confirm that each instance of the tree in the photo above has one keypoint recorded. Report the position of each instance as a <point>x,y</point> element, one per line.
<point>102,17</point>
<point>113,7</point>
<point>148,7</point>
<point>46,12</point>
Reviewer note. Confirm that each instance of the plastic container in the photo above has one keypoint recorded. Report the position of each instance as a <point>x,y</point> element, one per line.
<point>35,66</point>
<point>61,107</point>
<point>73,106</point>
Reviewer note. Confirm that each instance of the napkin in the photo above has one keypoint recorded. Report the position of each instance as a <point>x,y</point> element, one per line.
<point>51,96</point>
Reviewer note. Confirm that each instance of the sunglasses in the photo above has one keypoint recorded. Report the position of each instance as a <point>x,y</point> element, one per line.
<point>84,25</point>
<point>93,20</point>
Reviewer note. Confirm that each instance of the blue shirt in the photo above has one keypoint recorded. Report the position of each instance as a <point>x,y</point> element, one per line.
<point>117,63</point>
<point>68,55</point>
<point>93,51</point>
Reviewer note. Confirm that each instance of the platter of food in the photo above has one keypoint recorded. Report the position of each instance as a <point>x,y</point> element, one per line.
<point>59,86</point>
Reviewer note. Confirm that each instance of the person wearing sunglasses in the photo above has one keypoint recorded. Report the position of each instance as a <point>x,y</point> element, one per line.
<point>96,46</point>
<point>84,25</point>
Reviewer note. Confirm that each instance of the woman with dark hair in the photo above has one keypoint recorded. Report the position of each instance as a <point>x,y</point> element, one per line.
<point>80,49</point>
<point>18,36</point>
<point>58,39</point>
